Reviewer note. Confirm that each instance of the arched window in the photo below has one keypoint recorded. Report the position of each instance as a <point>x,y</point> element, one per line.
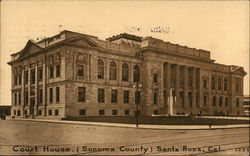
<point>100,69</point>
<point>213,83</point>
<point>225,84</point>
<point>219,83</point>
<point>136,73</point>
<point>113,71</point>
<point>125,72</point>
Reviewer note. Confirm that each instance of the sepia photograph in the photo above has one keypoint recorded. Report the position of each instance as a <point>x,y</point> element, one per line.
<point>144,77</point>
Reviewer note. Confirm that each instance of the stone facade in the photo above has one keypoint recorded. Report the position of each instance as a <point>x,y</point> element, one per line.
<point>73,74</point>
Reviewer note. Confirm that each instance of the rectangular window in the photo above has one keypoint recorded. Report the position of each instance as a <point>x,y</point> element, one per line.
<point>220,101</point>
<point>156,112</point>
<point>15,78</point>
<point>57,94</point>
<point>51,72</point>
<point>81,94</point>
<point>58,70</point>
<point>237,87</point>
<point>40,74</point>
<point>113,96</point>
<point>127,112</point>
<point>205,100</point>
<point>82,112</point>
<point>197,78</point>
<point>15,96</point>
<point>40,95</point>
<point>126,96</point>
<point>80,70</point>
<point>56,112</point>
<point>101,112</point>
<point>20,79</point>
<point>26,77</point>
<point>50,112</point>
<point>204,83</point>
<point>197,100</point>
<point>137,97</point>
<point>138,112</point>
<point>226,101</point>
<point>181,99</point>
<point>237,102</point>
<point>155,98</point>
<point>190,100</point>
<point>181,77</point>
<point>190,80</point>
<point>155,78</point>
<point>26,95</point>
<point>114,112</point>
<point>18,113</point>
<point>19,98</point>
<point>40,112</point>
<point>101,95</point>
<point>214,100</point>
<point>32,76</point>
<point>51,95</point>
<point>225,84</point>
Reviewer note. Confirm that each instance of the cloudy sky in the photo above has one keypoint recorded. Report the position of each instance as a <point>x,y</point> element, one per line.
<point>221,27</point>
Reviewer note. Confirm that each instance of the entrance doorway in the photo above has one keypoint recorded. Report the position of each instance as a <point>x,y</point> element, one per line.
<point>32,103</point>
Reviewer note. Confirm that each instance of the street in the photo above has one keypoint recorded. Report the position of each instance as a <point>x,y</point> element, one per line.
<point>42,138</point>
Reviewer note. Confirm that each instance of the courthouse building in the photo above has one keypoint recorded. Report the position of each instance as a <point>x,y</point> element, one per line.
<point>73,74</point>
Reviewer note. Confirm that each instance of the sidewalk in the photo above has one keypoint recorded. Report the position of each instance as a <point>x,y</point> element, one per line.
<point>142,126</point>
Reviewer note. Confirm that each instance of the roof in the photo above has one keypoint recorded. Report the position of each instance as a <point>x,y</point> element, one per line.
<point>126,36</point>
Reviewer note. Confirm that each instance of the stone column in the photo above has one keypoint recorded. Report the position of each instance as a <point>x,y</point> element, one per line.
<point>199,88</point>
<point>44,88</point>
<point>131,74</point>
<point>209,104</point>
<point>12,78</point>
<point>194,87</point>
<point>161,87</point>
<point>29,86</point>
<point>177,91</point>
<point>89,68</point>
<point>106,70</point>
<point>185,87</point>
<point>36,94</point>
<point>168,85</point>
<point>119,72</point>
<point>23,87</point>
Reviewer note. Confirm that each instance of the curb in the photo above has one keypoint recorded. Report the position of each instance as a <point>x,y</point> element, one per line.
<point>142,126</point>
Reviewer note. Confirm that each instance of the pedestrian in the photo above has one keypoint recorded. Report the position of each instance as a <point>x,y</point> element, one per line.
<point>210,124</point>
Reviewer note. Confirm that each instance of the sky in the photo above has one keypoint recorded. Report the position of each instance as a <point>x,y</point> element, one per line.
<point>221,27</point>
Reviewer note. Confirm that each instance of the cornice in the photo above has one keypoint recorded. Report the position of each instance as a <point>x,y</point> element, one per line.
<point>176,54</point>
